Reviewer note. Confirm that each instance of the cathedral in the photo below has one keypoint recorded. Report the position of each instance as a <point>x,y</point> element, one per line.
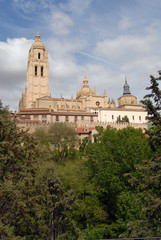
<point>37,106</point>
<point>37,87</point>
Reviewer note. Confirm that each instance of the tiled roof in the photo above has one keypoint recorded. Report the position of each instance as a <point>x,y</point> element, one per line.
<point>84,130</point>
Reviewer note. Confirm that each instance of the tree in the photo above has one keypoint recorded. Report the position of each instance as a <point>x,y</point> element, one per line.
<point>33,203</point>
<point>87,214</point>
<point>152,103</point>
<point>148,179</point>
<point>114,154</point>
<point>124,119</point>
<point>59,139</point>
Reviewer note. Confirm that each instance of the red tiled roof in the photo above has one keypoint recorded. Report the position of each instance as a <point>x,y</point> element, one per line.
<point>84,130</point>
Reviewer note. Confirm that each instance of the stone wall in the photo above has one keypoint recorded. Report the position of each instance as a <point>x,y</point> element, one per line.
<point>32,126</point>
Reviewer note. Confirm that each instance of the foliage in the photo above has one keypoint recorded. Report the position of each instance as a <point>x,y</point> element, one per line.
<point>33,203</point>
<point>148,180</point>
<point>111,158</point>
<point>106,189</point>
<point>59,141</point>
<point>87,211</point>
<point>124,119</point>
<point>152,103</point>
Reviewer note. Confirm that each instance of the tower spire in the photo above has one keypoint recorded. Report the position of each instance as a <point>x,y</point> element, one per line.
<point>126,88</point>
<point>37,37</point>
<point>125,79</point>
<point>85,82</point>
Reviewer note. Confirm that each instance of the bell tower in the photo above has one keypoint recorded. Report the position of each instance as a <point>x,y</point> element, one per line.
<point>37,74</point>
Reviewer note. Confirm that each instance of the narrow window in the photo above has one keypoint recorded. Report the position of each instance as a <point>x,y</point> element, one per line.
<point>57,118</point>
<point>42,71</point>
<point>112,117</point>
<point>132,117</point>
<point>140,118</point>
<point>38,55</point>
<point>91,118</point>
<point>66,118</point>
<point>75,119</point>
<point>35,70</point>
<point>82,117</point>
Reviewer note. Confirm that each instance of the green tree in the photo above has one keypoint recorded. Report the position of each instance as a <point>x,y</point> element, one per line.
<point>114,154</point>
<point>148,179</point>
<point>152,103</point>
<point>87,212</point>
<point>33,203</point>
<point>124,119</point>
<point>59,141</point>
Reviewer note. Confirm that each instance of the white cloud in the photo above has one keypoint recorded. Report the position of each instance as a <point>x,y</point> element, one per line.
<point>60,23</point>
<point>30,6</point>
<point>13,63</point>
<point>64,48</point>
<point>125,23</point>
<point>118,48</point>
<point>77,7</point>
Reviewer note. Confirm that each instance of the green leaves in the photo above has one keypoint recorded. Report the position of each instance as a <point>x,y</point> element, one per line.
<point>58,141</point>
<point>152,103</point>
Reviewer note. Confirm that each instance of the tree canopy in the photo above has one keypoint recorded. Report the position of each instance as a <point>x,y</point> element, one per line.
<point>49,189</point>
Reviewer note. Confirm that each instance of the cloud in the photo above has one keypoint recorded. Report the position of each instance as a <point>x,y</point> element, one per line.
<point>125,46</point>
<point>125,23</point>
<point>31,6</point>
<point>76,7</point>
<point>60,23</point>
<point>137,56</point>
<point>64,48</point>
<point>13,64</point>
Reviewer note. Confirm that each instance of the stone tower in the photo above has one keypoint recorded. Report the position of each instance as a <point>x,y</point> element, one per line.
<point>37,75</point>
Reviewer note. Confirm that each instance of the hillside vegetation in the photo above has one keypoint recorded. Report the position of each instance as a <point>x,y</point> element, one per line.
<point>107,189</point>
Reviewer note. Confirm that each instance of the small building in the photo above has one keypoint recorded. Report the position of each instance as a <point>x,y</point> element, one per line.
<point>127,106</point>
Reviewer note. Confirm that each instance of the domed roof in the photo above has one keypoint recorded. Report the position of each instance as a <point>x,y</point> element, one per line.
<point>37,43</point>
<point>126,89</point>
<point>85,90</point>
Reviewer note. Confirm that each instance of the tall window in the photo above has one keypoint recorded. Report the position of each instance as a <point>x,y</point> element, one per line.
<point>38,55</point>
<point>66,118</point>
<point>35,70</point>
<point>57,118</point>
<point>42,70</point>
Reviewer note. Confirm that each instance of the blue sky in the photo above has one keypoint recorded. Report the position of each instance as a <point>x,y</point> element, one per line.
<point>104,39</point>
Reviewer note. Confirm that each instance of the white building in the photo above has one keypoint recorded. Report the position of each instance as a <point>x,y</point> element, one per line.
<point>127,106</point>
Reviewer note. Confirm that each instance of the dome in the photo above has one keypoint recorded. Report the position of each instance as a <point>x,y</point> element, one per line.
<point>126,89</point>
<point>37,43</point>
<point>85,90</point>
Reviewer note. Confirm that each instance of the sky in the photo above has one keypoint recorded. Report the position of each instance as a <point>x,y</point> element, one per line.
<point>105,40</point>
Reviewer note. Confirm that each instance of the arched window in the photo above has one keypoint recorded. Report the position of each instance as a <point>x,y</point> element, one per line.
<point>38,55</point>
<point>42,71</point>
<point>35,70</point>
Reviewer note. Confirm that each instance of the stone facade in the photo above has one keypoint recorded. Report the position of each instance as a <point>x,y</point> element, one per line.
<point>37,75</point>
